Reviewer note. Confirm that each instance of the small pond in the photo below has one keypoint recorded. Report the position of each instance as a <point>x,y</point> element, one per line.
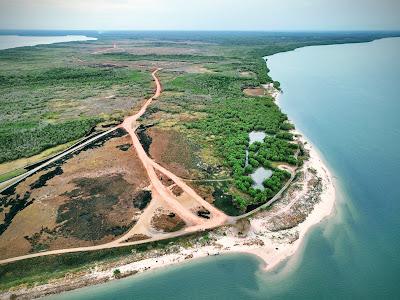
<point>256,136</point>
<point>259,175</point>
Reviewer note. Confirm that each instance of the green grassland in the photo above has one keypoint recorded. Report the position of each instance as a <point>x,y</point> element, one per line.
<point>59,87</point>
<point>45,104</point>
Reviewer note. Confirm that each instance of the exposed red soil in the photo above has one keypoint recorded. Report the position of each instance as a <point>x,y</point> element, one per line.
<point>166,181</point>
<point>177,219</point>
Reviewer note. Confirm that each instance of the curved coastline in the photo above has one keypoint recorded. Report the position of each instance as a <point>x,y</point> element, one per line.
<point>323,210</point>
<point>287,267</point>
<point>268,254</point>
<point>271,254</point>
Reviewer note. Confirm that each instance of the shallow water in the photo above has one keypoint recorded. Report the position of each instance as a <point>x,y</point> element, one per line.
<point>13,41</point>
<point>259,175</point>
<point>345,98</point>
<point>186,281</point>
<point>256,136</point>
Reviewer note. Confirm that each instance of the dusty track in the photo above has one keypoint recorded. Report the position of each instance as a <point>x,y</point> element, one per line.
<point>159,193</point>
<point>158,189</point>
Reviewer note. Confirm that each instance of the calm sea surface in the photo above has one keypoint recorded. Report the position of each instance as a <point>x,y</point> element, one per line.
<point>13,41</point>
<point>346,100</point>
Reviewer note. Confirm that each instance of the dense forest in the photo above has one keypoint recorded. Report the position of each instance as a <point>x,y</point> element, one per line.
<point>19,140</point>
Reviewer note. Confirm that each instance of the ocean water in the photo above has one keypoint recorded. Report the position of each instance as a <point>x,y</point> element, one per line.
<point>346,100</point>
<point>13,41</point>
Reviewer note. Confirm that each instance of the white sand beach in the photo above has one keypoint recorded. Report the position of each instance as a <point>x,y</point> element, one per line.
<point>273,234</point>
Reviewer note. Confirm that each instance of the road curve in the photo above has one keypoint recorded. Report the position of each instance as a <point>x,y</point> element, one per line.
<point>195,223</point>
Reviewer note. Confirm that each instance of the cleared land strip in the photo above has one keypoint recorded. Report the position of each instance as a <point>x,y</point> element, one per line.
<point>27,167</point>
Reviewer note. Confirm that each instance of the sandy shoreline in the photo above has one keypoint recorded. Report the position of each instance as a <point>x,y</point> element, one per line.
<point>270,253</point>
<point>273,251</point>
<point>321,210</point>
<point>230,243</point>
<point>271,234</point>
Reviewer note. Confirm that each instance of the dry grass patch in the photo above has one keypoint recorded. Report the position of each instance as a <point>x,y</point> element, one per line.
<point>173,151</point>
<point>88,199</point>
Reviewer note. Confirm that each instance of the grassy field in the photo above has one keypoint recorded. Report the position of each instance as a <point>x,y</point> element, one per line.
<point>45,104</point>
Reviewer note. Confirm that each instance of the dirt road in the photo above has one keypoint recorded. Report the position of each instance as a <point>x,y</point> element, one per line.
<point>159,191</point>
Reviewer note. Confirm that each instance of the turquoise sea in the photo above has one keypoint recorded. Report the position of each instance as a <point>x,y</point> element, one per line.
<point>346,100</point>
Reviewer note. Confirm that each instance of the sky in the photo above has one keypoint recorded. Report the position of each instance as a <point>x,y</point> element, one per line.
<point>268,15</point>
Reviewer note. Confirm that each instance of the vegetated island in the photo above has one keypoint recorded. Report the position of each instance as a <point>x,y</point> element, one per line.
<point>208,165</point>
